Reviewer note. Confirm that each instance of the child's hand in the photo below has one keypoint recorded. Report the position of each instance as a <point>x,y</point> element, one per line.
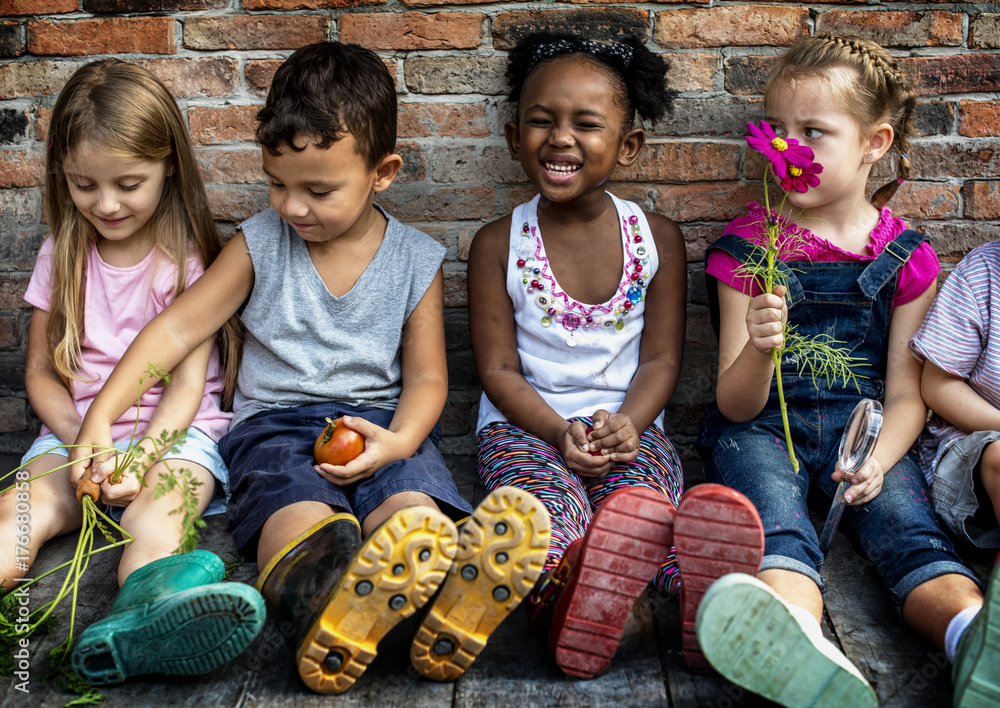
<point>866,485</point>
<point>614,435</point>
<point>89,440</point>
<point>766,318</point>
<point>120,493</point>
<point>380,450</point>
<point>575,449</point>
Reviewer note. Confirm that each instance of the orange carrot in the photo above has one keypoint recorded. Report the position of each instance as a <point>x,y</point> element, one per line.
<point>88,487</point>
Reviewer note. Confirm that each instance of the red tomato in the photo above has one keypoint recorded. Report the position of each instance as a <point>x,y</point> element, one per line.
<point>337,444</point>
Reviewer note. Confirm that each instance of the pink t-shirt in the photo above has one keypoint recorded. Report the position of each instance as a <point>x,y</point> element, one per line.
<point>118,302</point>
<point>914,278</point>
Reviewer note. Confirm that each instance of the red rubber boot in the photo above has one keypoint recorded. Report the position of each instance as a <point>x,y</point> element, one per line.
<point>717,531</point>
<point>625,545</point>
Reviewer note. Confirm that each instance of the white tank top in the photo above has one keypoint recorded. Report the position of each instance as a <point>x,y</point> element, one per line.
<point>578,356</point>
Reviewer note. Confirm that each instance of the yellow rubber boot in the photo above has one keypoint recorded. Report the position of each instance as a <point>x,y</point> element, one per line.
<point>355,603</point>
<point>501,553</point>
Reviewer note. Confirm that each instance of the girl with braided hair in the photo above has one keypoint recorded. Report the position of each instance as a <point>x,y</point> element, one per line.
<point>863,278</point>
<point>576,309</point>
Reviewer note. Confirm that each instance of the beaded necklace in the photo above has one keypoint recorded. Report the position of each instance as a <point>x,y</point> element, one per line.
<point>558,307</point>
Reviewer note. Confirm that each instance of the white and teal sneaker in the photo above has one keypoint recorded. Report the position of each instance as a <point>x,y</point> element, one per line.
<point>754,638</point>
<point>976,671</point>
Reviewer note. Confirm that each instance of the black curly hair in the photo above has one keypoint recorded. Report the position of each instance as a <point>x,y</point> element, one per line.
<point>641,79</point>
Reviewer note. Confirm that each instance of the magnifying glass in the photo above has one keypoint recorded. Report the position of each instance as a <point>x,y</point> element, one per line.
<point>856,446</point>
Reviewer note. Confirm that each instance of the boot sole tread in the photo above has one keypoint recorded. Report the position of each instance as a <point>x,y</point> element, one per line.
<point>466,612</point>
<point>716,532</point>
<point>352,623</point>
<point>195,632</point>
<point>614,567</point>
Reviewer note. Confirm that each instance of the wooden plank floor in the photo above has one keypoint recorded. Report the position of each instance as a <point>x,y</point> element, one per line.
<point>514,669</point>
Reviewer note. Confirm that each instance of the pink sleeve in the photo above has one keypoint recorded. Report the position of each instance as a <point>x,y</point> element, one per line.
<point>39,288</point>
<point>917,275</point>
<point>723,266</point>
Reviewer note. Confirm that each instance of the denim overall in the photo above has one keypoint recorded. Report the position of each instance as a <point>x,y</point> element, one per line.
<point>850,301</point>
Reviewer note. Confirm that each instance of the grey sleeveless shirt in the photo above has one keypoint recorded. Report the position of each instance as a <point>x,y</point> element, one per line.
<point>306,346</point>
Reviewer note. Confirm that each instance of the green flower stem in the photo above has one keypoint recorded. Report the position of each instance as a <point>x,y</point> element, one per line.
<point>773,249</point>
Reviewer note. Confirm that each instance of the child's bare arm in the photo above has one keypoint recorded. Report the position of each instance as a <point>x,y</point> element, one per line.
<point>952,398</point>
<point>194,317</point>
<point>424,390</point>
<point>51,401</point>
<point>174,413</point>
<point>903,410</point>
<point>748,330</point>
<point>661,350</point>
<point>494,347</point>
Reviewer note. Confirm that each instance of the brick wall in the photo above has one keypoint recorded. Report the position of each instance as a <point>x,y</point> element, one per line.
<point>217,57</point>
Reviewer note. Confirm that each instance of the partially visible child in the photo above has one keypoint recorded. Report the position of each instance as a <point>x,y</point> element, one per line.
<point>576,311</point>
<point>961,384</point>
<point>345,318</point>
<point>862,278</point>
<point>131,229</point>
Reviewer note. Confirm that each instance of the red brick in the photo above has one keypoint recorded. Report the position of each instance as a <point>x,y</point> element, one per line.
<point>122,7</point>
<point>255,31</point>
<point>33,78</point>
<point>982,199</point>
<point>21,169</point>
<point>236,166</point>
<point>37,7</point>
<point>959,158</point>
<point>12,287</point>
<point>414,167</point>
<point>895,29</point>
<point>979,119</point>
<point>461,120</point>
<point>923,200</point>
<point>952,240</point>
<point>962,73</point>
<point>113,35</point>
<point>236,205</point>
<point>685,162</point>
<point>984,31</point>
<point>10,39</point>
<point>10,332</point>
<point>731,26</point>
<point>211,125</point>
<point>596,23</point>
<point>259,73</point>
<point>41,124</point>
<point>13,414</point>
<point>692,72</point>
<point>305,4</point>
<point>411,202</point>
<point>455,291</point>
<point>210,76</point>
<point>413,30</point>
<point>747,75</point>
<point>720,201</point>
<point>465,237</point>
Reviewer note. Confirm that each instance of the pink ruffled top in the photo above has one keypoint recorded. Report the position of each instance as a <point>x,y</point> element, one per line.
<point>915,277</point>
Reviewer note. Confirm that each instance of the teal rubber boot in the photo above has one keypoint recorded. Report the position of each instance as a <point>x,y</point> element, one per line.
<point>171,616</point>
<point>976,672</point>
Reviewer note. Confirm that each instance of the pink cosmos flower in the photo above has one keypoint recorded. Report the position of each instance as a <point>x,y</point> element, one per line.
<point>800,179</point>
<point>781,152</point>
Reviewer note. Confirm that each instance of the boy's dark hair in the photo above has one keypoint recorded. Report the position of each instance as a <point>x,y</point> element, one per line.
<point>641,74</point>
<point>328,90</point>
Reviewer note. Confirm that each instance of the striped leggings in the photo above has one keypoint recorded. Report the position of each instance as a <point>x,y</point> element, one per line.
<point>511,456</point>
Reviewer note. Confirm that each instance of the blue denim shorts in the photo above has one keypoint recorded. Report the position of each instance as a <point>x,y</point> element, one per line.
<point>270,458</point>
<point>956,495</point>
<point>197,448</point>
<point>897,529</point>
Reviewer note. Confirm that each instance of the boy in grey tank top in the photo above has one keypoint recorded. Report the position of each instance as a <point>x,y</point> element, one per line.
<point>344,319</point>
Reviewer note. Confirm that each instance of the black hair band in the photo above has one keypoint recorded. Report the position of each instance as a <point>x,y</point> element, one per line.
<point>612,50</point>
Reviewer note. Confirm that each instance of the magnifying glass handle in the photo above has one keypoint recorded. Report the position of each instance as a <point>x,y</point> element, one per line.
<point>833,518</point>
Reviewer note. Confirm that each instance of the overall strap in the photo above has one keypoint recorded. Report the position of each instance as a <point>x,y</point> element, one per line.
<point>893,257</point>
<point>744,251</point>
